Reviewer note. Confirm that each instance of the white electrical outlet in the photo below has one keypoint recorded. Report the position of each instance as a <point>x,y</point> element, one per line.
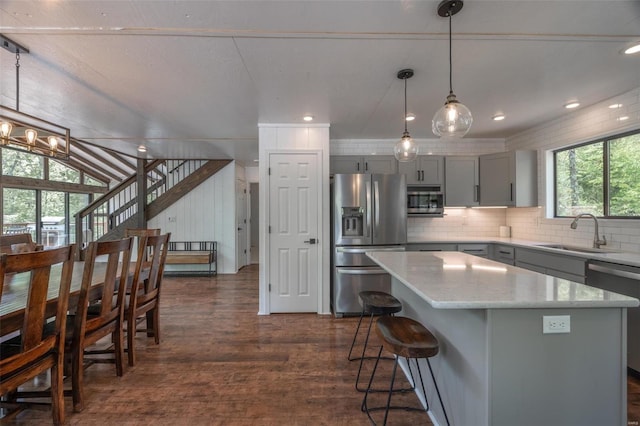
<point>556,324</point>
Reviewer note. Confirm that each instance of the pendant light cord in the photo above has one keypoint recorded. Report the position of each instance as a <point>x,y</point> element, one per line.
<point>405,104</point>
<point>17,79</point>
<point>450,56</point>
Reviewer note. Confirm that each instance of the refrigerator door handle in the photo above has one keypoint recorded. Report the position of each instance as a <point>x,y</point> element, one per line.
<point>376,208</point>
<point>367,214</point>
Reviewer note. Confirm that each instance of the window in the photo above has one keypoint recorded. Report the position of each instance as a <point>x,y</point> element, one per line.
<point>61,173</point>
<point>19,211</point>
<point>601,178</point>
<point>22,164</point>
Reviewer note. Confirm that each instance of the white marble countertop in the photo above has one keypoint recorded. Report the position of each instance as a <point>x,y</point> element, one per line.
<point>605,254</point>
<point>453,280</point>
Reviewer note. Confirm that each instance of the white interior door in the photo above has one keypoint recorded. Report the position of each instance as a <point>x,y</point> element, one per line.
<point>293,220</point>
<point>241,224</point>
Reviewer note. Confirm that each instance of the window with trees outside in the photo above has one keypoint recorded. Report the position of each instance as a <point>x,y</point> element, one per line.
<point>41,196</point>
<point>601,178</point>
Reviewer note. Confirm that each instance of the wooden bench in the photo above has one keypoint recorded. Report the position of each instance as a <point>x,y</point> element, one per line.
<point>9,243</point>
<point>192,253</point>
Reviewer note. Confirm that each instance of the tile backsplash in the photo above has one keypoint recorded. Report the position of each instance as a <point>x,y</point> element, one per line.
<point>526,224</point>
<point>457,223</point>
<point>530,224</point>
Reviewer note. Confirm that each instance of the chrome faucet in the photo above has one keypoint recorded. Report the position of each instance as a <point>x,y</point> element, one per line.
<point>597,242</point>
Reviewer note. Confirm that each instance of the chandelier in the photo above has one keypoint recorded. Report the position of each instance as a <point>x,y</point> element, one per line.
<point>26,132</point>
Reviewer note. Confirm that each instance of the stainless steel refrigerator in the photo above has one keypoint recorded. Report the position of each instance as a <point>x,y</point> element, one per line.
<point>369,212</point>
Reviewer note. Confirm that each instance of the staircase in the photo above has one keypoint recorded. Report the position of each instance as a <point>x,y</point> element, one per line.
<point>166,182</point>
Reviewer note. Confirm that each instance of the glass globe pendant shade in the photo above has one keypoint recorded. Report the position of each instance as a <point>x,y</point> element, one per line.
<point>453,120</point>
<point>405,149</point>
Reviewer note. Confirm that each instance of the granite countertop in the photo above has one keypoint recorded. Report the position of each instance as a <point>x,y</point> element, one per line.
<point>452,280</point>
<point>604,254</point>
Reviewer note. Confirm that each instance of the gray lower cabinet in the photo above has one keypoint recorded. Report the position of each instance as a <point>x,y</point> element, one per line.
<point>481,250</point>
<point>431,247</point>
<point>461,181</point>
<point>502,253</point>
<point>385,164</point>
<point>557,265</point>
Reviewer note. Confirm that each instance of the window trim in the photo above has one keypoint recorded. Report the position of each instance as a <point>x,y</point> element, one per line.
<point>605,173</point>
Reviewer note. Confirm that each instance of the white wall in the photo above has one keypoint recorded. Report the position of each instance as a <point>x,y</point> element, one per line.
<point>425,146</point>
<point>291,138</point>
<point>207,212</point>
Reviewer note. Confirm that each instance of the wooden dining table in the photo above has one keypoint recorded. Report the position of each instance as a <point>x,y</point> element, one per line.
<point>16,288</point>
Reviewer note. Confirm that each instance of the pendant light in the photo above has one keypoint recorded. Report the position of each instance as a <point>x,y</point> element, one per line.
<point>454,119</point>
<point>406,149</point>
<point>27,132</point>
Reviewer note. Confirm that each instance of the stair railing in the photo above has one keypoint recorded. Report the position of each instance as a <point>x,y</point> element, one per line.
<point>101,218</point>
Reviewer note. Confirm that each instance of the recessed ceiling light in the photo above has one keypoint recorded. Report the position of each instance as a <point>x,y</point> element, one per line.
<point>308,118</point>
<point>633,49</point>
<point>142,148</point>
<point>623,118</point>
<point>410,117</point>
<point>498,117</point>
<point>572,104</point>
<point>614,106</point>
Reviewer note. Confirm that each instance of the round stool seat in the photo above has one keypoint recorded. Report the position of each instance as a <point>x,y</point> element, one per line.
<point>406,337</point>
<point>379,303</point>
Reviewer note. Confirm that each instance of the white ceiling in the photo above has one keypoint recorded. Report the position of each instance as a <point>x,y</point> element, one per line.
<point>192,79</point>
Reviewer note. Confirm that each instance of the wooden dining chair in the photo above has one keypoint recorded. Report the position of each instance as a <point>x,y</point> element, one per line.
<point>18,243</point>
<point>144,297</point>
<point>139,233</point>
<point>34,351</point>
<point>106,317</point>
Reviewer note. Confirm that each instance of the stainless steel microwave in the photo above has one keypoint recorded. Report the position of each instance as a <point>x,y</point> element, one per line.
<point>425,201</point>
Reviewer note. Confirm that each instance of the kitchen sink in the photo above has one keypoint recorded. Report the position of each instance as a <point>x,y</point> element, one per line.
<point>577,248</point>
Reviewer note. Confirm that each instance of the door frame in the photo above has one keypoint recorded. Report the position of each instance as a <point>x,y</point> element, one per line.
<point>265,242</point>
<point>242,259</point>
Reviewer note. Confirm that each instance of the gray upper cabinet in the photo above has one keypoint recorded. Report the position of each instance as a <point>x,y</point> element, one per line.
<point>426,170</point>
<point>462,178</point>
<point>509,179</point>
<point>385,164</point>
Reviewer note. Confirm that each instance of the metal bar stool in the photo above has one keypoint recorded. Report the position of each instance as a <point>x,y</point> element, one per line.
<point>406,338</point>
<point>374,303</point>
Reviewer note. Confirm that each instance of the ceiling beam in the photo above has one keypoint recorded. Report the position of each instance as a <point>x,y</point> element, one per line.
<point>77,144</point>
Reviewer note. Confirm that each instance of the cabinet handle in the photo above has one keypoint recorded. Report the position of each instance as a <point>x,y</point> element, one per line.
<point>366,166</point>
<point>511,192</point>
<point>358,166</point>
<point>423,175</point>
<point>476,193</point>
<point>417,175</point>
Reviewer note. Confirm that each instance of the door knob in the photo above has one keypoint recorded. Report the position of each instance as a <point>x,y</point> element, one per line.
<point>311,241</point>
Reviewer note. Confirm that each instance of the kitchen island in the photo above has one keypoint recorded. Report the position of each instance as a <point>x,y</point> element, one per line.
<point>496,366</point>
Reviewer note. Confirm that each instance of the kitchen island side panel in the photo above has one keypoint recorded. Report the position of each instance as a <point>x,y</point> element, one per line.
<point>576,378</point>
<point>460,367</point>
<point>495,367</point>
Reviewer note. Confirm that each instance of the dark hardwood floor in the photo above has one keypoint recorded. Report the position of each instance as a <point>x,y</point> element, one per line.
<point>221,363</point>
